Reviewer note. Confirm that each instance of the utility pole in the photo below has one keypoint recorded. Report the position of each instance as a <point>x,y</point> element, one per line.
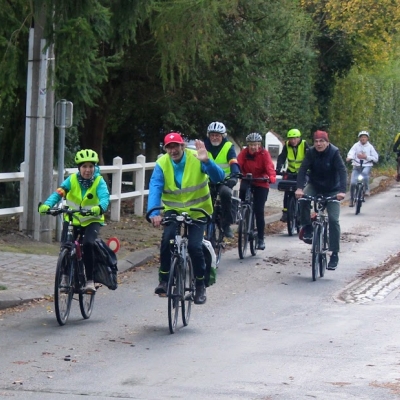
<point>39,132</point>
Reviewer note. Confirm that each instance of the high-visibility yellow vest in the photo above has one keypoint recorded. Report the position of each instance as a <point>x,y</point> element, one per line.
<point>294,161</point>
<point>74,200</point>
<point>222,158</point>
<point>194,191</point>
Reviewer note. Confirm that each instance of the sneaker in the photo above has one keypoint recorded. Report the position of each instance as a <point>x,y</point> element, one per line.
<point>284,216</point>
<point>64,285</point>
<point>307,234</point>
<point>351,203</point>
<point>161,289</point>
<point>228,231</point>
<point>333,262</point>
<point>200,294</point>
<point>89,287</point>
<point>260,244</point>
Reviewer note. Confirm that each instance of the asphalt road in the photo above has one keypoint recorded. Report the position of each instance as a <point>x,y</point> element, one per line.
<point>266,332</point>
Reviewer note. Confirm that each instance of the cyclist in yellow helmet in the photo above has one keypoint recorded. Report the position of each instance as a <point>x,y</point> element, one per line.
<point>293,151</point>
<point>87,189</point>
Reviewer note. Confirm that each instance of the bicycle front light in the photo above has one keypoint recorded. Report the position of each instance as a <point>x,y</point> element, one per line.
<point>360,178</point>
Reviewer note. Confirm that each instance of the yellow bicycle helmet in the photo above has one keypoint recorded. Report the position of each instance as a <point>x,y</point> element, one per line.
<point>86,155</point>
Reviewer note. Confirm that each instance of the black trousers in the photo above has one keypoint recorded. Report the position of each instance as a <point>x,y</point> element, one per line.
<point>90,234</point>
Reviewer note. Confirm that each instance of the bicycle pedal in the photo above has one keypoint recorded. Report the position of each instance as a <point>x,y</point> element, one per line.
<point>189,297</point>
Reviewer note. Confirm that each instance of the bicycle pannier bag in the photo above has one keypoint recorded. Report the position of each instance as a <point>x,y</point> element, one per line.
<point>105,271</point>
<point>211,263</point>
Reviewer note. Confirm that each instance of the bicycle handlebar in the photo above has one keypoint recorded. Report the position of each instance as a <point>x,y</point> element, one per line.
<point>183,217</point>
<point>249,177</point>
<point>54,211</point>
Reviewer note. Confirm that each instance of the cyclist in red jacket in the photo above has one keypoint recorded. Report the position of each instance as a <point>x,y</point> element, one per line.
<point>256,160</point>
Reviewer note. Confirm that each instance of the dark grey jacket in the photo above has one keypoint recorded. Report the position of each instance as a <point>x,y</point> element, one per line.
<point>326,170</point>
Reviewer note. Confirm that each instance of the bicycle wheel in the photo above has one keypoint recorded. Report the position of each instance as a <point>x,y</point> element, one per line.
<point>63,295</point>
<point>325,247</point>
<point>219,248</point>
<point>86,302</point>
<point>359,198</point>
<point>186,302</point>
<point>298,222</point>
<point>173,294</point>
<point>315,250</point>
<point>291,215</point>
<point>242,233</point>
<point>253,236</point>
<point>211,234</point>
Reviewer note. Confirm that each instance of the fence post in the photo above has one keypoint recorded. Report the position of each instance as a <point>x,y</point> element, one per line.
<point>139,184</point>
<point>116,190</point>
<point>22,218</point>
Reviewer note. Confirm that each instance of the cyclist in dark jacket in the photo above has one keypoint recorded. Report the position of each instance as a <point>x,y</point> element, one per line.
<point>326,176</point>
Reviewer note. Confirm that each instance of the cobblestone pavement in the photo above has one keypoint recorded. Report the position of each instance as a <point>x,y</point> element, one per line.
<point>27,276</point>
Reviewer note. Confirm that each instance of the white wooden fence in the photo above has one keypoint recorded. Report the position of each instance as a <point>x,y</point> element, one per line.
<point>117,169</point>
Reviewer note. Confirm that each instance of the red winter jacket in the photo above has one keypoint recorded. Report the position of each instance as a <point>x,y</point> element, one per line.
<point>259,164</point>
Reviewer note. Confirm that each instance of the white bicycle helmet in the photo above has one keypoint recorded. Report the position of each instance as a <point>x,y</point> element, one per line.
<point>363,133</point>
<point>254,137</point>
<point>216,127</point>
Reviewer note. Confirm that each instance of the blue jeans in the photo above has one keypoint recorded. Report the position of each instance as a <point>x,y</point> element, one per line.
<point>195,248</point>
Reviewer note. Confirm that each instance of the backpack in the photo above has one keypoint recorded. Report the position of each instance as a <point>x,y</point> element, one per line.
<point>105,271</point>
<point>210,276</point>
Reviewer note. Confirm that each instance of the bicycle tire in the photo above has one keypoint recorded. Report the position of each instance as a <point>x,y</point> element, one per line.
<point>253,236</point>
<point>291,215</point>
<point>242,233</point>
<point>315,250</point>
<point>211,234</point>
<point>325,241</point>
<point>63,296</point>
<point>86,303</point>
<point>173,294</point>
<point>358,198</point>
<point>186,302</point>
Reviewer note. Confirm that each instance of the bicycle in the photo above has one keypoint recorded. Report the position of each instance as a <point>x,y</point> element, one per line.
<point>181,280</point>
<point>359,191</point>
<point>247,231</point>
<point>214,232</point>
<point>289,186</point>
<point>320,240</point>
<point>70,263</point>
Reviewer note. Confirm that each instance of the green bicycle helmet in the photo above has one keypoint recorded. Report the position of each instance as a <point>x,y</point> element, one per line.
<point>86,155</point>
<point>293,133</point>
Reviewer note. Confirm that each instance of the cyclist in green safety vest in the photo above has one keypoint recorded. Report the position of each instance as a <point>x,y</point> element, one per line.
<point>223,153</point>
<point>180,181</point>
<point>293,152</point>
<point>86,189</point>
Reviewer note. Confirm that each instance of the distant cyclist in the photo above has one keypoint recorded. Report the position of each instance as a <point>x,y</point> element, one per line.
<point>86,189</point>
<point>396,149</point>
<point>256,160</point>
<point>223,153</point>
<point>362,150</point>
<point>293,151</point>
